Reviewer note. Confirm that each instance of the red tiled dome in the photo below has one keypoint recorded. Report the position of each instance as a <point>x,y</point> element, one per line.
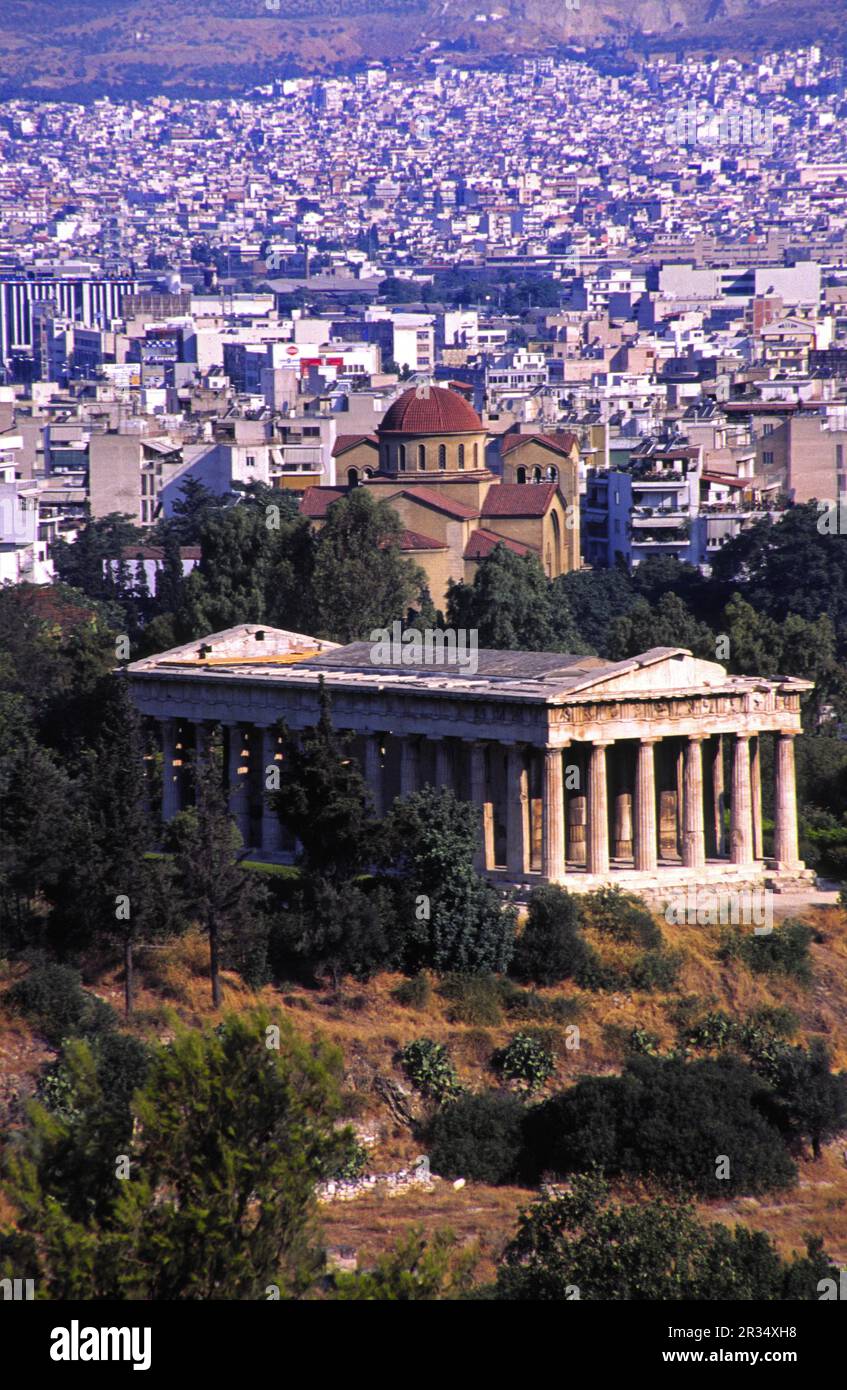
<point>438,412</point>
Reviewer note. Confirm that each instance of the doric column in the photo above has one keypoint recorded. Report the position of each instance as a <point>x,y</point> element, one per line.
<point>443,764</point>
<point>373,771</point>
<point>408,766</point>
<point>517,798</point>
<point>239,784</point>
<point>170,774</point>
<point>718,796</point>
<point>756,792</point>
<point>597,855</point>
<point>680,799</point>
<point>623,825</point>
<point>785,847</point>
<point>272,839</point>
<point>553,817</point>
<point>741,818</point>
<point>646,857</point>
<point>693,838</point>
<point>479,797</point>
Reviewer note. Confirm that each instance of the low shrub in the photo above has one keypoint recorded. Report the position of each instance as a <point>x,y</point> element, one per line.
<point>526,1061</point>
<point>51,996</point>
<point>415,993</point>
<point>527,1004</point>
<point>657,969</point>
<point>429,1068</point>
<point>478,1137</point>
<point>783,951</point>
<point>620,915</point>
<point>474,999</point>
<point>351,1164</point>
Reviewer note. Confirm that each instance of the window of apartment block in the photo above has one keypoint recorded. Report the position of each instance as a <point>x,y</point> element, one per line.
<point>768,457</point>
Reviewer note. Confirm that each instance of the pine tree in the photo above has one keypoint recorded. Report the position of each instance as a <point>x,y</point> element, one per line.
<point>111,890</point>
<point>232,1130</point>
<point>214,887</point>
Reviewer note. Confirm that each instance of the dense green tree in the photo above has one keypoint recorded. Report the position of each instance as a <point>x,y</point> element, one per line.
<point>658,575</point>
<point>56,647</point>
<point>171,579</point>
<point>760,645</point>
<point>82,564</point>
<point>707,1124</point>
<point>87,1093</point>
<point>323,799</point>
<point>593,599</point>
<point>232,1130</point>
<point>361,579</point>
<point>550,948</point>
<point>812,1099</point>
<point>214,889</point>
<point>478,1137</point>
<point>581,1246</point>
<point>36,809</point>
<point>450,918</point>
<point>342,929</point>
<point>193,507</point>
<point>669,624</point>
<point>797,565</point>
<point>228,586</point>
<point>110,889</point>
<point>509,604</point>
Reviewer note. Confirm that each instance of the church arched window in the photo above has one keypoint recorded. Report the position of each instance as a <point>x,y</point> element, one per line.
<point>442,456</point>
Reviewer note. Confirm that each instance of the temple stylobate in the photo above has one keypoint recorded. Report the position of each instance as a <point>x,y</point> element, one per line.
<point>645,772</point>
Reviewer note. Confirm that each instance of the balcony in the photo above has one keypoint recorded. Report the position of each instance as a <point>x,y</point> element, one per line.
<point>657,478</point>
<point>660,514</point>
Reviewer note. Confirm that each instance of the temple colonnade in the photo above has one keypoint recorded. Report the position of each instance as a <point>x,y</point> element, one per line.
<point>602,807</point>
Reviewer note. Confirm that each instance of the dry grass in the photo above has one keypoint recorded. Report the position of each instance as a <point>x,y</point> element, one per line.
<point>373,1225</point>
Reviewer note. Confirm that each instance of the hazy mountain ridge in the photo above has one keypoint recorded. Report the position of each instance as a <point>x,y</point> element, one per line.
<point>137,47</point>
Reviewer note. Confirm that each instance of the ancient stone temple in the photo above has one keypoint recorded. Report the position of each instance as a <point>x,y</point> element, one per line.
<point>645,772</point>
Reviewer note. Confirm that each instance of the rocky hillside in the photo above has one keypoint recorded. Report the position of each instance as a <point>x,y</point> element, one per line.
<point>201,47</point>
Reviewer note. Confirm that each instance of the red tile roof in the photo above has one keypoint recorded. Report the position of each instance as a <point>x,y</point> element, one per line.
<point>317,500</point>
<point>562,443</point>
<point>483,542</point>
<point>439,411</point>
<point>344,442</point>
<point>415,540</point>
<point>431,498</point>
<point>519,499</point>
